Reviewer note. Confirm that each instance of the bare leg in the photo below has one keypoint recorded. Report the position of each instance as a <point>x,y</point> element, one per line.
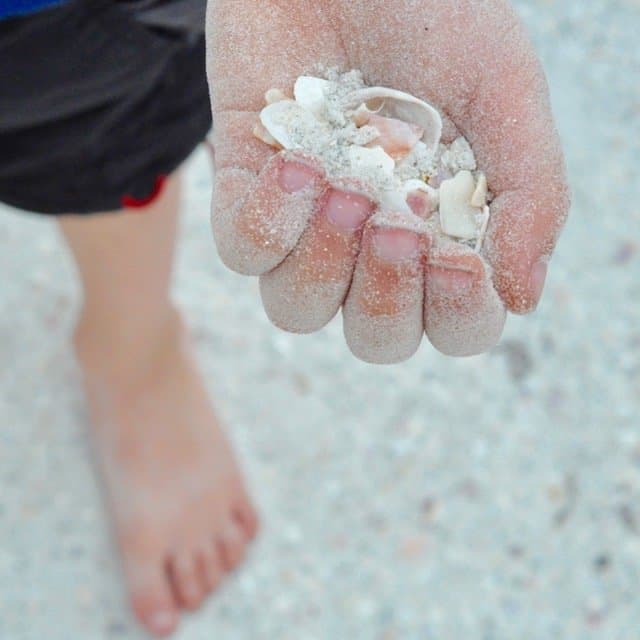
<point>182,517</point>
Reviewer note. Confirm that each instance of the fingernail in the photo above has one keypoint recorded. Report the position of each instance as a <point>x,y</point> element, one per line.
<point>450,281</point>
<point>347,211</point>
<point>394,245</point>
<point>295,176</point>
<point>162,621</point>
<point>538,278</point>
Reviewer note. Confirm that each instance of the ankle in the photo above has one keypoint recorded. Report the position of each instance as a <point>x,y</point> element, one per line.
<point>126,348</point>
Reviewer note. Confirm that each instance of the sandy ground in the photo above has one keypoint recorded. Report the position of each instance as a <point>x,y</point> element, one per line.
<point>495,498</point>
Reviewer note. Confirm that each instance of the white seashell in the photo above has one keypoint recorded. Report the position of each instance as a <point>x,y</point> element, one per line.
<point>260,132</point>
<point>479,197</point>
<point>403,106</point>
<point>394,201</point>
<point>310,93</point>
<point>418,185</point>
<point>458,217</point>
<point>486,214</point>
<point>364,158</point>
<point>274,95</point>
<point>362,114</point>
<point>290,124</point>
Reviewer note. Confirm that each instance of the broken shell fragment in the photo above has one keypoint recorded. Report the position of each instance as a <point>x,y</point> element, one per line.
<point>363,114</point>
<point>274,95</point>
<point>458,217</point>
<point>421,198</point>
<point>396,137</point>
<point>402,106</point>
<point>394,201</point>
<point>418,185</point>
<point>290,124</point>
<point>363,158</point>
<point>486,214</point>
<point>310,94</point>
<point>260,132</point>
<point>479,197</point>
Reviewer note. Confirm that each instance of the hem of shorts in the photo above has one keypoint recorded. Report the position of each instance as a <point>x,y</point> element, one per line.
<point>98,204</point>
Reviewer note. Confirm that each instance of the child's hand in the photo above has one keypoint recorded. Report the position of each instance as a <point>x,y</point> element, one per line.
<point>311,244</point>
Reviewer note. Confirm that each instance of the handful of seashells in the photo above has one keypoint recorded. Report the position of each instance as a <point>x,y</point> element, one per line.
<point>389,141</point>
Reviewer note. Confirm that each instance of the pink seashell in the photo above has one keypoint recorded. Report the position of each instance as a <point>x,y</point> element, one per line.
<point>405,107</point>
<point>421,204</point>
<point>396,137</point>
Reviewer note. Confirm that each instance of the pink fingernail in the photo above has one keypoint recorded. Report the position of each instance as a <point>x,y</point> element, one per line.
<point>295,176</point>
<point>450,280</point>
<point>394,245</point>
<point>347,211</point>
<point>538,278</point>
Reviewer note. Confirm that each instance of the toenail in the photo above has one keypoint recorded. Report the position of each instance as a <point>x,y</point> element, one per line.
<point>347,211</point>
<point>295,176</point>
<point>394,245</point>
<point>447,280</point>
<point>162,621</point>
<point>538,278</point>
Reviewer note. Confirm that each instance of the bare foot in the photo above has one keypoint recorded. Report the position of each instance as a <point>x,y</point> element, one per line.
<point>181,513</point>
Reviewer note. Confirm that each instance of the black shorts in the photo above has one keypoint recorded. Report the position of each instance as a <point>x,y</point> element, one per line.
<point>97,103</point>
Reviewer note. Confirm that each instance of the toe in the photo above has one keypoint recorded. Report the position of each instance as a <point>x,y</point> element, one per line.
<point>186,580</point>
<point>151,596</point>
<point>383,318</point>
<point>231,541</point>
<point>464,315</point>
<point>306,291</point>
<point>246,516</point>
<point>210,567</point>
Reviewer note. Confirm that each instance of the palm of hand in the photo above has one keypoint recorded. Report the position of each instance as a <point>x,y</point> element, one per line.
<point>313,247</point>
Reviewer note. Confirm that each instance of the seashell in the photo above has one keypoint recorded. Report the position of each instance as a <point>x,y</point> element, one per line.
<point>275,95</point>
<point>395,136</point>
<point>486,214</point>
<point>402,106</point>
<point>457,214</point>
<point>362,114</point>
<point>365,158</point>
<point>310,94</point>
<point>479,197</point>
<point>394,201</point>
<point>418,185</point>
<point>260,132</point>
<point>289,123</point>
<point>421,198</point>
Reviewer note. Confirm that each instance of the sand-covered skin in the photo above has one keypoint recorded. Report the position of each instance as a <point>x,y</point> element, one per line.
<point>472,61</point>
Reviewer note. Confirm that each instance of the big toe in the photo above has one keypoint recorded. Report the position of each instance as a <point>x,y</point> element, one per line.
<point>232,543</point>
<point>152,599</point>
